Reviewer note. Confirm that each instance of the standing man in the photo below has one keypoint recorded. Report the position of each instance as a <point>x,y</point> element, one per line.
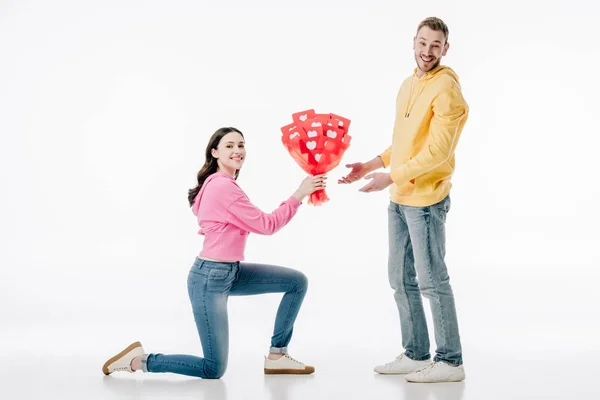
<point>430,115</point>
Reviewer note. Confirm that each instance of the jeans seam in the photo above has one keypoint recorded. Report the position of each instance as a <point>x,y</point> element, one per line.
<point>410,310</point>
<point>435,288</point>
<point>290,308</point>
<point>208,330</point>
<point>287,316</point>
<point>182,364</point>
<point>269,281</point>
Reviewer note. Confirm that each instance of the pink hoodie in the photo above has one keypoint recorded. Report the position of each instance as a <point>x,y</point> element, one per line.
<point>226,216</point>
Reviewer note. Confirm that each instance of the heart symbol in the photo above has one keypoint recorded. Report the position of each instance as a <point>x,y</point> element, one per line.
<point>318,157</point>
<point>315,124</point>
<point>312,133</point>
<point>311,145</point>
<point>303,117</point>
<point>293,135</point>
<point>331,134</point>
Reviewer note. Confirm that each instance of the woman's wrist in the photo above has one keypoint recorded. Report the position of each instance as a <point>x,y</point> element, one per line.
<point>298,196</point>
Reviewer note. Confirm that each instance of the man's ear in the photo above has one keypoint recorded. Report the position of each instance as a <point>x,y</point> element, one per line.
<point>446,47</point>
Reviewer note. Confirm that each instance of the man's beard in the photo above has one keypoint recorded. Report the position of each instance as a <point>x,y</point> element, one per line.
<point>433,66</point>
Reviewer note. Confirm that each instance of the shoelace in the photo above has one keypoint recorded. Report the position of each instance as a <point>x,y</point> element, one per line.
<point>397,360</point>
<point>429,367</point>
<point>293,359</point>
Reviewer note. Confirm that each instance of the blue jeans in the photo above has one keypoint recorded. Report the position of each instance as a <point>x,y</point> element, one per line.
<point>209,286</point>
<point>417,248</point>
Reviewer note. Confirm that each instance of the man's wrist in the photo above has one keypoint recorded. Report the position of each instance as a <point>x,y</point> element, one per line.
<point>375,164</point>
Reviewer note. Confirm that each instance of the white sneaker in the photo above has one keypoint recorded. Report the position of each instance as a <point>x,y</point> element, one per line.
<point>402,365</point>
<point>122,361</point>
<point>287,365</point>
<point>438,372</point>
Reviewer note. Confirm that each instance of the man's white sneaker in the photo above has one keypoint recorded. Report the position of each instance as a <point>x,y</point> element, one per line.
<point>438,372</point>
<point>122,361</point>
<point>402,365</point>
<point>286,365</point>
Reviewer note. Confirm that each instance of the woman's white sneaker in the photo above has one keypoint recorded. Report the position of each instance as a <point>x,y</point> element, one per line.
<point>287,365</point>
<point>438,372</point>
<point>402,365</point>
<point>122,361</point>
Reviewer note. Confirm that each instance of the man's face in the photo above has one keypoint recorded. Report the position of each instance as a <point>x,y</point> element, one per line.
<point>430,46</point>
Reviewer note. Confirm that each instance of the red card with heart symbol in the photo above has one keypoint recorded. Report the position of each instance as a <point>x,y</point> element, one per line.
<point>312,123</point>
<point>322,117</point>
<point>343,123</point>
<point>288,129</point>
<point>312,133</point>
<point>296,131</point>
<point>318,157</point>
<point>303,116</point>
<point>334,133</point>
<point>330,124</point>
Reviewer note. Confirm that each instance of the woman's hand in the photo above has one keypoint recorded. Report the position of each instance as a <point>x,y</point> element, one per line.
<point>309,185</point>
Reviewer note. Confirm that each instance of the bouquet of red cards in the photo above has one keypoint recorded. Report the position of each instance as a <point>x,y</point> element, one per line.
<point>317,142</point>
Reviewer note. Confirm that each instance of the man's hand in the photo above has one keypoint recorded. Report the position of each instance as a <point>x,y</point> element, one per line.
<point>379,181</point>
<point>358,171</point>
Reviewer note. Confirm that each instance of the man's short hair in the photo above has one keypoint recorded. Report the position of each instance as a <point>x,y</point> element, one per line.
<point>436,24</point>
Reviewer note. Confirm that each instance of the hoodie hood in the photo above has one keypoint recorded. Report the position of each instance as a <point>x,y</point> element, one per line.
<point>438,72</point>
<point>198,198</point>
<point>418,85</point>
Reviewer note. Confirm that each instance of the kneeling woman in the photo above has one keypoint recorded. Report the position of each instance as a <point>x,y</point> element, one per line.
<point>226,216</point>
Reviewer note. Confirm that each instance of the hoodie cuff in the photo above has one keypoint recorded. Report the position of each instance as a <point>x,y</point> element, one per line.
<point>293,202</point>
<point>385,158</point>
<point>398,175</point>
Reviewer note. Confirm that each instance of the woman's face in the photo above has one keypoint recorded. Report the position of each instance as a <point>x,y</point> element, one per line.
<point>230,153</point>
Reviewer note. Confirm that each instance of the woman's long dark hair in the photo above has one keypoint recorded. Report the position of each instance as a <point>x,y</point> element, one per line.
<point>210,165</point>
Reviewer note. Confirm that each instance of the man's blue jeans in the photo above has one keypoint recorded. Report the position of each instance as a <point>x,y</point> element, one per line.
<point>417,245</point>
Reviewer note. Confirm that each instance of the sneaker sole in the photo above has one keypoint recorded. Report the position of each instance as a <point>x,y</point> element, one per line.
<point>305,371</point>
<point>121,354</point>
<point>394,373</point>
<point>445,381</point>
<point>449,380</point>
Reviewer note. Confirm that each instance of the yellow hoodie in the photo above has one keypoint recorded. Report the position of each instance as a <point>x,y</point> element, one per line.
<point>430,115</point>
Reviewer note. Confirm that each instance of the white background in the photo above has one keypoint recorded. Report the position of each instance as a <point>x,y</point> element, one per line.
<point>105,111</point>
